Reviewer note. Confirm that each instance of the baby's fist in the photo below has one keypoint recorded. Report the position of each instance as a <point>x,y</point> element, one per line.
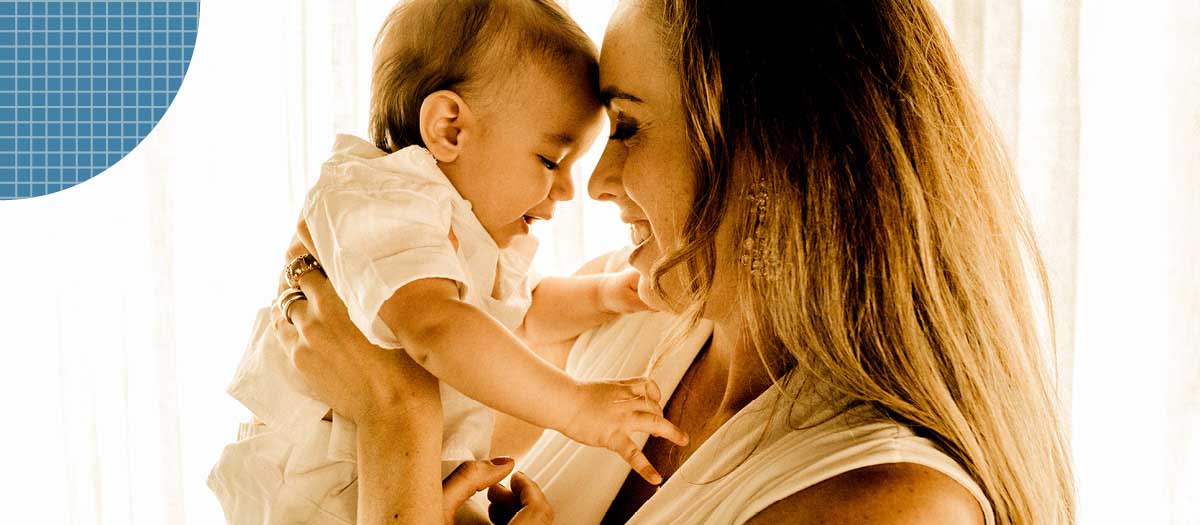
<point>619,293</point>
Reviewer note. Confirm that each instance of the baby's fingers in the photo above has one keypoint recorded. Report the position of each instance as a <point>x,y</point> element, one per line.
<point>654,424</point>
<point>632,454</point>
<point>640,404</point>
<point>643,387</point>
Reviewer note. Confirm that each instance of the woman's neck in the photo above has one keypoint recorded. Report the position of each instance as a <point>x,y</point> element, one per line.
<point>733,361</point>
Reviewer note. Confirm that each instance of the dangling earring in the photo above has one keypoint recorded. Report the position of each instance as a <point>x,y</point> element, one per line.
<point>759,256</point>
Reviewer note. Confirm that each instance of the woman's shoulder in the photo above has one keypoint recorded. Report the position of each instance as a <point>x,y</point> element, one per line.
<point>765,466</point>
<point>862,467</point>
<point>890,493</point>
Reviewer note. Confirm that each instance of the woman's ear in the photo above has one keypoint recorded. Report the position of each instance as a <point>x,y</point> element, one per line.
<point>444,118</point>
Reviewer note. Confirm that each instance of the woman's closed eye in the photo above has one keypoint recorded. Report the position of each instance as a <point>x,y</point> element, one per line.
<point>624,129</point>
<point>549,164</point>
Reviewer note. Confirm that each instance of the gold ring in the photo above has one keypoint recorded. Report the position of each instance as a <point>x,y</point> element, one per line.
<point>285,300</point>
<point>298,267</point>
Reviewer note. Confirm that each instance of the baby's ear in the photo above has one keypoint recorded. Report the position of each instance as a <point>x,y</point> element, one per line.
<point>444,116</point>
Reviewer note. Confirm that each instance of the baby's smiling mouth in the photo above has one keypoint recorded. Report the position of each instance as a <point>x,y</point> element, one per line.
<point>530,218</point>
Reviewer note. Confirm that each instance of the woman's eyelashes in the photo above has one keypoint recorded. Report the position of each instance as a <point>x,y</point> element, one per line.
<point>624,129</point>
<point>549,164</point>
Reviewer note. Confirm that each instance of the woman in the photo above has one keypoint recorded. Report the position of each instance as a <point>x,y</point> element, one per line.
<point>849,255</point>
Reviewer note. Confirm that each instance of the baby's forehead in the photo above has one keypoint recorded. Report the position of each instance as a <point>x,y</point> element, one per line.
<point>548,106</point>
<point>538,84</point>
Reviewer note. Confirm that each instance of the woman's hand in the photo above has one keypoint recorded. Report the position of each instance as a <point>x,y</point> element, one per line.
<point>356,378</point>
<point>394,402</point>
<point>523,504</point>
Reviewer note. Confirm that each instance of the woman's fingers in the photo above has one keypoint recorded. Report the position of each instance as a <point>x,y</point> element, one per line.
<point>286,333</point>
<point>291,339</point>
<point>535,510</point>
<point>523,504</point>
<point>469,478</point>
<point>304,237</point>
<point>316,287</point>
<point>504,504</point>
<point>296,248</point>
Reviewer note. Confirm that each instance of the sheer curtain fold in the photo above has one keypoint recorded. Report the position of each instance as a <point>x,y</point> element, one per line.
<point>1098,104</point>
<point>1183,90</point>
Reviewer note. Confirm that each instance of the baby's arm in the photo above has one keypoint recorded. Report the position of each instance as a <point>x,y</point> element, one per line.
<point>475,354</point>
<point>564,307</point>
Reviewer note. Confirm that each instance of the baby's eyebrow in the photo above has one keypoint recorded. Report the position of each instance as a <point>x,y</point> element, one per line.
<point>559,139</point>
<point>611,93</point>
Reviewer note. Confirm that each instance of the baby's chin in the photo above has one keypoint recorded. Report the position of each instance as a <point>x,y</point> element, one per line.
<point>508,234</point>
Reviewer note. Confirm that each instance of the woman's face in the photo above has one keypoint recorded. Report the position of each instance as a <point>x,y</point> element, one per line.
<point>645,169</point>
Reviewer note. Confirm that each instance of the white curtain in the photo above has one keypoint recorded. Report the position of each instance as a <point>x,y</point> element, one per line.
<point>1100,105</point>
<point>125,302</point>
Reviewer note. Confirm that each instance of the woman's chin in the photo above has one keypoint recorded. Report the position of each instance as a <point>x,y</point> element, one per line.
<point>646,292</point>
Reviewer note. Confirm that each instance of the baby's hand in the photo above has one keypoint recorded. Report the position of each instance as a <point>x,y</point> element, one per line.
<point>609,412</point>
<point>619,293</point>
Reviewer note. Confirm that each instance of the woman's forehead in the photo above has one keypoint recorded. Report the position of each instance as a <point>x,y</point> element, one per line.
<point>633,64</point>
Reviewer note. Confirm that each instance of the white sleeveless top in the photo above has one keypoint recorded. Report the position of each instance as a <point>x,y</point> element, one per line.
<point>739,470</point>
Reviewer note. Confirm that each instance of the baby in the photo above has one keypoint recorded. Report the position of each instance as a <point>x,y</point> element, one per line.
<point>478,111</point>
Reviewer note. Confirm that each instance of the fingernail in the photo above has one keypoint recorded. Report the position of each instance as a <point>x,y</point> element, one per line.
<point>501,460</point>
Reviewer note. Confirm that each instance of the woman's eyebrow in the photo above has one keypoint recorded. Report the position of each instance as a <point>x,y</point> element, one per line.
<point>611,93</point>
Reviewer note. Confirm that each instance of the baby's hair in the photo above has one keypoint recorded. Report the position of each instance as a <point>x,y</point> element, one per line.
<point>426,46</point>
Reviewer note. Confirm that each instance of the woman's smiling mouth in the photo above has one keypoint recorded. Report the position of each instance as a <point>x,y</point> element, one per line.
<point>639,232</point>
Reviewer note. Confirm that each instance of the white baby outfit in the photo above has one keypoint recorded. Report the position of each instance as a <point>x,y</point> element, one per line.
<point>378,221</point>
<point>755,459</point>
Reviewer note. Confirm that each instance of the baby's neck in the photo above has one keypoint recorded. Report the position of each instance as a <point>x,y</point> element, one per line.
<point>496,281</point>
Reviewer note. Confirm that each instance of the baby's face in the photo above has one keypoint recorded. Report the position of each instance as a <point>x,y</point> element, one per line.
<point>519,162</point>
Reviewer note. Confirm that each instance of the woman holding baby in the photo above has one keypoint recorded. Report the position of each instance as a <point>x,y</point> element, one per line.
<point>841,261</point>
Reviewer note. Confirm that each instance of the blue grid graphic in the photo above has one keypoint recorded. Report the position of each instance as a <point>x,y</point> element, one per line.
<point>81,83</point>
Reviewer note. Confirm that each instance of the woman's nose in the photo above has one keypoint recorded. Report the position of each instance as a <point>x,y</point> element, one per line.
<point>605,182</point>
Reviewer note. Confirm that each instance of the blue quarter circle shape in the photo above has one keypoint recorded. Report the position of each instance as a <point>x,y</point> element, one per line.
<point>82,83</point>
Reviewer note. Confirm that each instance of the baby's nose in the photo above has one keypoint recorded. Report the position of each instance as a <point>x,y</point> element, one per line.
<point>563,188</point>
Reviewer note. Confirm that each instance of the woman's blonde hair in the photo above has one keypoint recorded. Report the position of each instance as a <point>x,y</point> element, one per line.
<point>886,247</point>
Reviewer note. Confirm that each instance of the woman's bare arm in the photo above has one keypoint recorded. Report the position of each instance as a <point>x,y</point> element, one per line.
<point>891,494</point>
<point>394,402</point>
<point>398,470</point>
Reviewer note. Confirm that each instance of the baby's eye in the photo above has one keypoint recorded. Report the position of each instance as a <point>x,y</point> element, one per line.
<point>549,164</point>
